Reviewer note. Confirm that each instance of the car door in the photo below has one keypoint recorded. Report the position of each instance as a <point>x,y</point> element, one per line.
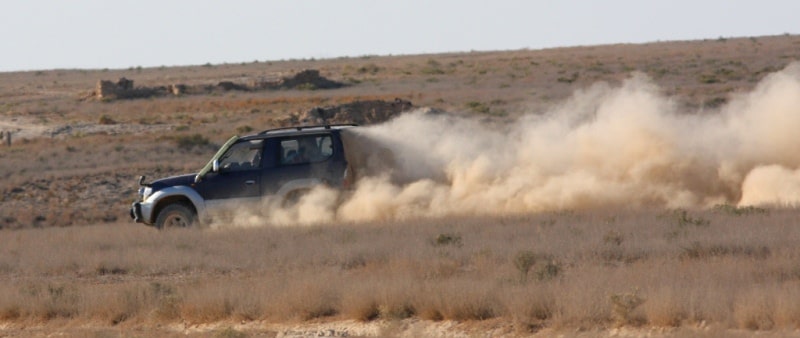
<point>301,162</point>
<point>238,177</point>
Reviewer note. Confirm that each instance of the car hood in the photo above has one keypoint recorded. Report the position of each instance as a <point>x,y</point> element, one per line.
<point>187,180</point>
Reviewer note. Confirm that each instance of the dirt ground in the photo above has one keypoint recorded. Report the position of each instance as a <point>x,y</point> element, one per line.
<point>401,328</point>
<point>49,115</point>
<point>74,162</point>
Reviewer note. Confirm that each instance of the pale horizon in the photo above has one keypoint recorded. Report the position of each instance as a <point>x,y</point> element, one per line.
<point>95,34</point>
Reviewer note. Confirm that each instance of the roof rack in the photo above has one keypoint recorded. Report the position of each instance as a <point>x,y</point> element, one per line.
<point>299,128</point>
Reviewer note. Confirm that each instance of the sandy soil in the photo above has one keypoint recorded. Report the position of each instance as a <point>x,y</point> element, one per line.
<point>348,328</point>
<point>27,128</point>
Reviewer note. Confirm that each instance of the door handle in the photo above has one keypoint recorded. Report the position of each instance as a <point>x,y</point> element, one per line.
<point>249,182</point>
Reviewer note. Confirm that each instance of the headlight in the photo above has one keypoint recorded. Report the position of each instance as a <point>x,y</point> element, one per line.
<point>144,192</point>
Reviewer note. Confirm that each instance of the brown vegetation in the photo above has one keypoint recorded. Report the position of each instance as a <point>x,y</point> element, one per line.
<point>590,270</point>
<point>56,136</point>
<point>68,176</point>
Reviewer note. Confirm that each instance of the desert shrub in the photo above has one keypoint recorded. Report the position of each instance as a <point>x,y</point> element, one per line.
<point>53,301</point>
<point>623,306</point>
<point>360,306</point>
<point>166,301</point>
<point>191,141</point>
<point>478,107</point>
<point>368,69</point>
<point>739,211</point>
<point>754,310</point>
<point>471,304</point>
<point>708,78</point>
<point>394,299</point>
<point>117,304</point>
<point>568,79</point>
<point>448,239</point>
<point>309,300</point>
<point>715,102</point>
<point>682,219</point>
<point>106,120</point>
<point>523,261</point>
<point>703,251</point>
<point>664,307</point>
<point>148,121</point>
<point>613,238</point>
<point>530,308</point>
<point>787,306</point>
<point>244,129</point>
<point>400,310</point>
<point>526,260</point>
<point>549,270</point>
<point>9,313</point>
<point>432,67</point>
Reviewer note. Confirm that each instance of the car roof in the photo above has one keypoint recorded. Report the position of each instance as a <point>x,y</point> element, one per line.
<point>297,130</point>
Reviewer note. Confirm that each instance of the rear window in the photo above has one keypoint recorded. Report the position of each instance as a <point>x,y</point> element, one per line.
<point>306,149</point>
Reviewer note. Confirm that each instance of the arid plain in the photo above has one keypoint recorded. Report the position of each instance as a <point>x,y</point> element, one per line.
<point>631,190</point>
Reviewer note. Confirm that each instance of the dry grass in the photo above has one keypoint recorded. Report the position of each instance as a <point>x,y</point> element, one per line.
<point>727,268</point>
<point>130,274</point>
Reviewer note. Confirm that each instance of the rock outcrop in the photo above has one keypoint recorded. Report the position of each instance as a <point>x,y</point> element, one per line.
<point>309,79</point>
<point>359,112</point>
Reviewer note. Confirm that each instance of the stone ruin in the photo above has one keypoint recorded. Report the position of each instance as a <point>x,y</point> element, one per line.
<point>110,90</point>
<point>307,79</point>
<point>7,136</point>
<point>359,112</point>
<point>124,88</point>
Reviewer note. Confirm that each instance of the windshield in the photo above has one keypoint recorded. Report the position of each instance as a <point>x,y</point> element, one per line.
<point>219,153</point>
<point>244,155</point>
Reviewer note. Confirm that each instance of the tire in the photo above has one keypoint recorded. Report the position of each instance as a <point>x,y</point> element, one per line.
<point>292,198</point>
<point>175,215</point>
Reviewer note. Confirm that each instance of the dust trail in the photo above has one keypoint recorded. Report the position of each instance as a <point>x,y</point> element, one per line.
<point>626,146</point>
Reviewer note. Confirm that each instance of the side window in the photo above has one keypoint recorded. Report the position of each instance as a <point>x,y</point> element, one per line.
<point>306,149</point>
<point>289,151</point>
<point>242,156</point>
<point>325,146</point>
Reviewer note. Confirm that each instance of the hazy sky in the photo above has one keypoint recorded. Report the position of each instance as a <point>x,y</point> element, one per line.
<point>42,34</point>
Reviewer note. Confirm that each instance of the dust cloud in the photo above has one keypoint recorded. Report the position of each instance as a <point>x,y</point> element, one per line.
<point>625,146</point>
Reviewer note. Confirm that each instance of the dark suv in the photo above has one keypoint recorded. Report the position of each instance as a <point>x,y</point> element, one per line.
<point>284,162</point>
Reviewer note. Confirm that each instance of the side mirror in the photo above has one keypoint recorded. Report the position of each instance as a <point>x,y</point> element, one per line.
<point>215,166</point>
<point>141,182</point>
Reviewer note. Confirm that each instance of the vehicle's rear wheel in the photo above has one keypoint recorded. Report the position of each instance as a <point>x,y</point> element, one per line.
<point>293,197</point>
<point>175,215</point>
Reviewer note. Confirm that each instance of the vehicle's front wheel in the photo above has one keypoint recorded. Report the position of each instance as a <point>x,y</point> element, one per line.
<point>175,215</point>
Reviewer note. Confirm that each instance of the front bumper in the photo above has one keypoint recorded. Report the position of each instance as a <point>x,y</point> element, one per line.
<point>142,212</point>
<point>136,212</point>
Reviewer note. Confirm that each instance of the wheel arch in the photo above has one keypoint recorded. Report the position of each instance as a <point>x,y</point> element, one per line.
<point>293,186</point>
<point>164,202</point>
<point>176,194</point>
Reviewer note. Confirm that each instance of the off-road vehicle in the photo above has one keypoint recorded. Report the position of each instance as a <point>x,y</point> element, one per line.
<point>282,163</point>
